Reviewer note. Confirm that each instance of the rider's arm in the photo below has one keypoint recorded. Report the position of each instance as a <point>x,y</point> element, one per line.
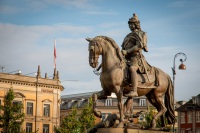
<point>135,48</point>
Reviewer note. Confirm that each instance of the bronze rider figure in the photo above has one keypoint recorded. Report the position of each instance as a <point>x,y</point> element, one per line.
<point>132,47</point>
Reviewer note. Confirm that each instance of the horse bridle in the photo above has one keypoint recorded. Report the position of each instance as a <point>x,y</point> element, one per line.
<point>97,49</point>
<point>100,50</point>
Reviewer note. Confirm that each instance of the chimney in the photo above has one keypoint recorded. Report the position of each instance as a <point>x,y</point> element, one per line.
<point>57,75</point>
<point>46,76</point>
<point>38,72</point>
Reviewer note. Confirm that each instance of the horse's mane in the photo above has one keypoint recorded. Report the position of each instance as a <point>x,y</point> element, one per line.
<point>114,45</point>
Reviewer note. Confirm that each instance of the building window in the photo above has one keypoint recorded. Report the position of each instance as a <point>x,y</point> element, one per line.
<point>45,128</point>
<point>28,127</point>
<point>29,108</point>
<point>46,110</point>
<point>182,117</point>
<point>142,102</point>
<point>15,104</point>
<point>197,116</point>
<point>108,102</point>
<point>189,117</point>
<point>69,104</point>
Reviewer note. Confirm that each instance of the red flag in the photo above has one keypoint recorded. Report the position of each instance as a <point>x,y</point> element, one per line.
<point>54,53</point>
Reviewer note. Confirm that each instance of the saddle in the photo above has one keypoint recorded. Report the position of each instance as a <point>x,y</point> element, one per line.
<point>152,81</point>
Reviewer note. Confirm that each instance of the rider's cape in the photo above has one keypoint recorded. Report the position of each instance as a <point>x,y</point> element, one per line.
<point>143,39</point>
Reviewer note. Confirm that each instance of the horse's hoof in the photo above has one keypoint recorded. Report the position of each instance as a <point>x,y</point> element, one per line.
<point>120,125</point>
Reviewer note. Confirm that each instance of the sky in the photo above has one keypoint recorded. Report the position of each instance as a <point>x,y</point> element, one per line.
<point>28,29</point>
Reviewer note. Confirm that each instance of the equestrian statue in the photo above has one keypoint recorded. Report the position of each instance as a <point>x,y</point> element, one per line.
<point>126,73</point>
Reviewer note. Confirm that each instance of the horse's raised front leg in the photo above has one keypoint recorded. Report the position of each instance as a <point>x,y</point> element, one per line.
<point>103,94</point>
<point>119,95</point>
<point>94,108</point>
<point>99,95</point>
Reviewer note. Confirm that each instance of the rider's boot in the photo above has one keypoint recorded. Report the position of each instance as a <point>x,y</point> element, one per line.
<point>134,82</point>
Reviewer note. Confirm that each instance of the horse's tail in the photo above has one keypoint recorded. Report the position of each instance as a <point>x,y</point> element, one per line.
<point>169,102</point>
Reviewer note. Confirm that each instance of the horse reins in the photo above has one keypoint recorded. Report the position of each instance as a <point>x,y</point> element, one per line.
<point>118,65</point>
<point>98,49</point>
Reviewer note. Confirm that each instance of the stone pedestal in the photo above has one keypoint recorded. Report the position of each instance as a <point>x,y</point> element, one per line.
<point>123,130</point>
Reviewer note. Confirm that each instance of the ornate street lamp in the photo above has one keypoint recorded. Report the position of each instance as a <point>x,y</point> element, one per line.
<point>181,67</point>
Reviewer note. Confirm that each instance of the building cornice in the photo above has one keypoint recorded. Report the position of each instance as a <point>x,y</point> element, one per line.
<point>30,81</point>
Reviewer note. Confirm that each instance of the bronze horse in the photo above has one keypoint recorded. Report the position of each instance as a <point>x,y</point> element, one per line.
<point>112,80</point>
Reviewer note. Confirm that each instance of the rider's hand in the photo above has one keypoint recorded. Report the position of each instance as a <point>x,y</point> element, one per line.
<point>124,52</point>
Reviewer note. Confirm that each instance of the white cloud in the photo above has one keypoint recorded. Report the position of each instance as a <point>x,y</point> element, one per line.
<point>20,44</point>
<point>42,5</point>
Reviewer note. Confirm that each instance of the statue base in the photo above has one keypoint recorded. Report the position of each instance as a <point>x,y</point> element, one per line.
<point>124,130</point>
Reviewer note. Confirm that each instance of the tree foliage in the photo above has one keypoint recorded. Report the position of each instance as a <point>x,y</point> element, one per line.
<point>71,122</point>
<point>12,118</point>
<point>87,117</point>
<point>77,122</point>
<point>148,118</point>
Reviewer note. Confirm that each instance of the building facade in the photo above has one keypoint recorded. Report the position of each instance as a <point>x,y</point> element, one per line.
<point>106,106</point>
<point>189,116</point>
<point>40,98</point>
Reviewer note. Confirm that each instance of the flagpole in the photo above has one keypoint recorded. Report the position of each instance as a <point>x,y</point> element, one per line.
<point>54,53</point>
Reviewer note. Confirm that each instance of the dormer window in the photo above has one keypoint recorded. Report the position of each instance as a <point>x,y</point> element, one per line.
<point>142,102</point>
<point>108,102</point>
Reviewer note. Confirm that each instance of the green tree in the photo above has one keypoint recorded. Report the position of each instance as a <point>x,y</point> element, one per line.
<point>148,118</point>
<point>87,117</point>
<point>70,124</point>
<point>12,118</point>
<point>76,122</point>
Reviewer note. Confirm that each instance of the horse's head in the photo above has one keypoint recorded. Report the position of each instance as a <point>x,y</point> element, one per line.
<point>95,50</point>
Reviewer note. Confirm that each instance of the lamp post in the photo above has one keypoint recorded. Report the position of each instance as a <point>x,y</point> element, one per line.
<point>181,67</point>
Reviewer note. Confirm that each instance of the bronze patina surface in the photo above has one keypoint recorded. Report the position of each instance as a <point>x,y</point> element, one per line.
<point>127,73</point>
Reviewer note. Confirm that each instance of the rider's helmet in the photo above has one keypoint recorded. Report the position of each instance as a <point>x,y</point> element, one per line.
<point>135,20</point>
